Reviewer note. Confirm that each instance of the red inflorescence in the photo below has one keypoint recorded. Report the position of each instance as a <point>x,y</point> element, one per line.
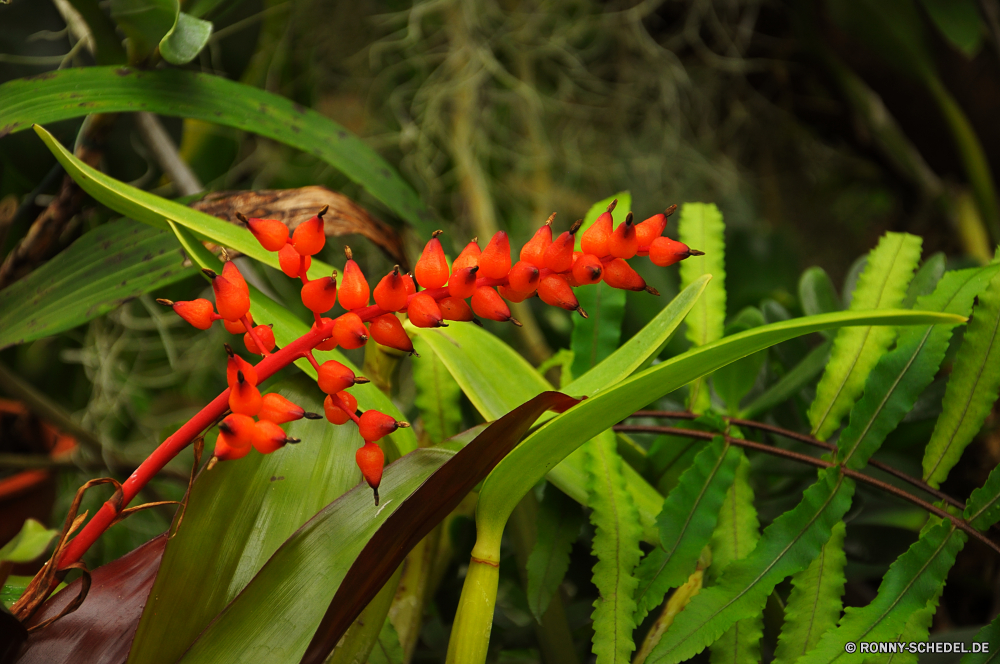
<point>549,268</point>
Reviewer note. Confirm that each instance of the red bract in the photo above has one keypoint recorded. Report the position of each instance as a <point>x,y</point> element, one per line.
<point>595,239</point>
<point>336,413</point>
<point>494,263</point>
<point>455,308</point>
<point>244,397</point>
<point>423,311</point>
<point>235,277</point>
<point>487,304</point>
<point>375,425</point>
<point>236,433</point>
<point>349,332</point>
<point>555,291</point>
<point>587,270</point>
<point>266,336</point>
<point>652,228</point>
<point>390,294</point>
<point>469,256</point>
<point>619,274</point>
<point>432,268</point>
<point>319,295</point>
<point>624,242</point>
<point>236,364</point>
<point>198,313</point>
<point>354,290</point>
<point>523,277</point>
<point>309,236</point>
<point>664,251</point>
<point>534,251</point>
<point>463,282</point>
<point>276,408</point>
<point>334,377</point>
<point>269,437</point>
<point>559,255</point>
<point>291,261</point>
<point>370,460</point>
<point>231,300</point>
<point>271,233</point>
<point>388,331</point>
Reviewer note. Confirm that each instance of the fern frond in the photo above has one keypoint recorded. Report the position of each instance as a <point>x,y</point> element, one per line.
<point>680,599</point>
<point>437,397</point>
<point>855,351</point>
<point>900,376</point>
<point>983,508</point>
<point>685,523</point>
<point>912,580</point>
<point>787,546</point>
<point>701,227</point>
<point>815,601</point>
<point>616,546</point>
<point>734,538</point>
<point>972,388</point>
<point>988,634</point>
<point>916,630</point>
<point>558,527</point>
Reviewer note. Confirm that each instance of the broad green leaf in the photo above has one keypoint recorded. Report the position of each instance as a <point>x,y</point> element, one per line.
<point>816,292</point>
<point>901,375</point>
<point>789,385</point>
<point>882,285</point>
<point>959,22</point>
<point>972,388</point>
<point>562,435</point>
<point>558,527</point>
<point>29,543</point>
<point>275,614</point>
<point>988,634</point>
<point>616,546</point>
<point>76,92</point>
<point>185,40</point>
<point>437,398</point>
<point>814,605</point>
<point>151,209</point>
<point>387,649</point>
<point>145,23</point>
<point>238,515</point>
<point>596,337</point>
<point>911,582</point>
<point>103,269</point>
<point>690,512</point>
<point>734,381</point>
<point>700,227</point>
<point>734,538</point>
<point>983,508</point>
<point>786,547</point>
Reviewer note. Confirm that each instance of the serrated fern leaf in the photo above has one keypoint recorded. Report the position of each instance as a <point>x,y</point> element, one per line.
<point>900,376</point>
<point>814,604</point>
<point>700,227</point>
<point>988,634</point>
<point>437,398</point>
<point>686,522</point>
<point>972,388</point>
<point>855,351</point>
<point>735,536</point>
<point>558,527</point>
<point>983,508</point>
<point>616,546</point>
<point>915,630</point>
<point>677,602</point>
<point>912,580</point>
<point>786,547</point>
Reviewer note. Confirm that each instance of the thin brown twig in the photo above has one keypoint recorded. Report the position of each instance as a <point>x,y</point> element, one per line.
<point>815,442</point>
<point>961,524</point>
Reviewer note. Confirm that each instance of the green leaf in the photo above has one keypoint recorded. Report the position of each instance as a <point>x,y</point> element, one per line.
<point>387,649</point>
<point>789,385</point>
<point>882,285</point>
<point>76,92</point>
<point>787,546</point>
<point>916,630</point>
<point>616,546</point>
<point>100,271</point>
<point>988,634</point>
<point>560,436</point>
<point>816,292</point>
<point>814,604</point>
<point>686,522</point>
<point>911,582</point>
<point>959,22</point>
<point>701,228</point>
<point>155,211</point>
<point>734,381</point>
<point>437,398</point>
<point>901,375</point>
<point>972,388</point>
<point>145,23</point>
<point>983,508</point>
<point>185,40</point>
<point>734,538</point>
<point>29,543</point>
<point>926,279</point>
<point>596,337</point>
<point>558,527</point>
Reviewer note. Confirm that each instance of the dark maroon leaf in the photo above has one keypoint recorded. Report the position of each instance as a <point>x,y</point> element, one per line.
<point>418,514</point>
<point>101,630</point>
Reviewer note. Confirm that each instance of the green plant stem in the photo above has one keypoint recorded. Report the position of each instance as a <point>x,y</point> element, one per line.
<point>553,633</point>
<point>360,638</point>
<point>470,633</point>
<point>407,610</point>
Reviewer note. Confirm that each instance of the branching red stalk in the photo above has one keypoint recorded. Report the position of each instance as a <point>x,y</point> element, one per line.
<point>253,335</point>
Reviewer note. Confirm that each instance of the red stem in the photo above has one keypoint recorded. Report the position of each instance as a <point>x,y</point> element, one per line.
<point>253,335</point>
<point>183,437</point>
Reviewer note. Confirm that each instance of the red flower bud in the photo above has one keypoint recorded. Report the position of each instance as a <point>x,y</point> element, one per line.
<point>319,295</point>
<point>455,308</point>
<point>623,242</point>
<point>595,239</point>
<point>266,336</point>
<point>432,268</point>
<point>236,326</point>
<point>554,290</point>
<point>523,277</point>
<point>276,408</point>
<point>244,398</point>
<point>468,258</point>
<point>198,313</point>
<point>271,233</point>
<point>388,331</point>
<point>511,295</point>
<point>349,331</point>
<point>423,311</point>
<point>235,437</point>
<point>664,251</point>
<point>375,425</point>
<point>335,377</point>
<point>463,282</point>
<point>309,236</point>
<point>652,228</point>
<point>269,437</point>
<point>354,290</point>
<point>587,270</point>
<point>534,251</point>
<point>487,304</point>
<point>335,412</point>
<point>236,364</point>
<point>291,261</point>
<point>231,299</point>
<point>619,274</point>
<point>371,459</point>
<point>390,294</point>
<point>235,277</point>
<point>559,255</point>
<point>494,263</point>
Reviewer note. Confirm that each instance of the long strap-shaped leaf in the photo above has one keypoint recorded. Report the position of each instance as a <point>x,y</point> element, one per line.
<point>616,546</point>
<point>815,601</point>
<point>787,546</point>
<point>900,376</point>
<point>701,228</point>
<point>912,580</point>
<point>972,388</point>
<point>76,92</point>
<point>437,398</point>
<point>736,536</point>
<point>686,522</point>
<point>882,285</point>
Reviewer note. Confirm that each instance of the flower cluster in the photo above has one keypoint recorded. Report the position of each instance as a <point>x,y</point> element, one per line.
<point>548,268</point>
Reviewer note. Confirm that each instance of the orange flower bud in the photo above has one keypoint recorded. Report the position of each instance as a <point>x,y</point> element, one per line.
<point>349,331</point>
<point>388,331</point>
<point>335,412</point>
<point>390,294</point>
<point>494,263</point>
<point>468,258</point>
<point>266,336</point>
<point>371,459</point>
<point>319,295</point>
<point>354,290</point>
<point>523,277</point>
<point>291,261</point>
<point>432,268</point>
<point>423,311</point>
<point>534,251</point>
<point>309,236</point>
<point>271,233</point>
<point>455,308</point>
<point>276,408</point>
<point>269,437</point>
